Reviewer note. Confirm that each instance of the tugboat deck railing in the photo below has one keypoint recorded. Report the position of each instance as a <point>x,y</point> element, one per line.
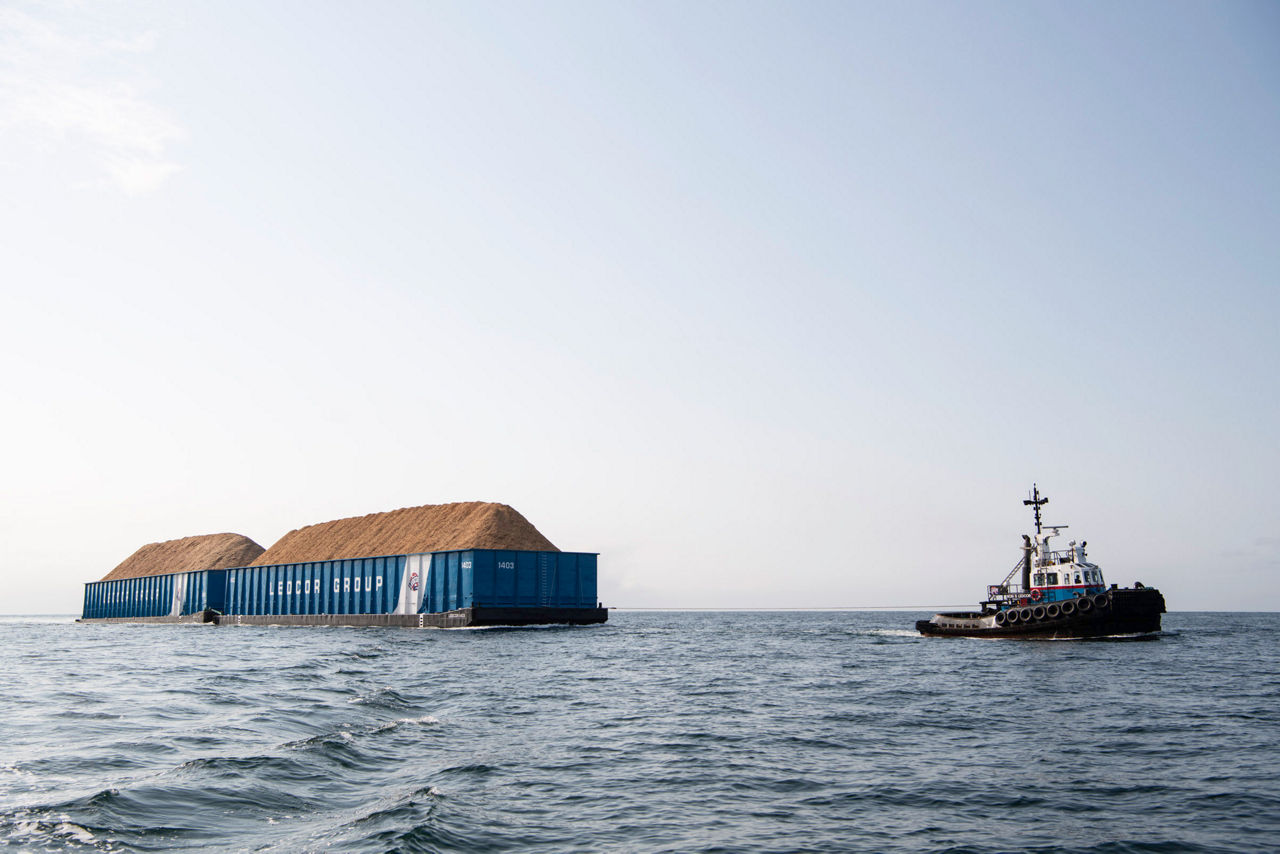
<point>1007,590</point>
<point>999,594</point>
<point>1055,558</point>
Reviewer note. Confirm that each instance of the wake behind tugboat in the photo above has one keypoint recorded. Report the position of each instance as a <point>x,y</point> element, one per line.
<point>1060,595</point>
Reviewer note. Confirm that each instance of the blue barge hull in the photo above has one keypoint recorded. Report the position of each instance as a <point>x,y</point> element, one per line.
<point>474,587</point>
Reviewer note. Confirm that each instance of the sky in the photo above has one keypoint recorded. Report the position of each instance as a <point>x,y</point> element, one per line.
<point>770,304</point>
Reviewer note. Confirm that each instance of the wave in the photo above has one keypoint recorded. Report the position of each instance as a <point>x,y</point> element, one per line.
<point>385,698</point>
<point>823,732</point>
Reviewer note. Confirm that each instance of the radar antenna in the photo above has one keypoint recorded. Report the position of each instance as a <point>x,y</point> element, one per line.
<point>1036,501</point>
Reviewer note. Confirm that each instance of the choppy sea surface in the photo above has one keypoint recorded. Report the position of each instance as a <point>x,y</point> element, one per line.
<point>660,731</point>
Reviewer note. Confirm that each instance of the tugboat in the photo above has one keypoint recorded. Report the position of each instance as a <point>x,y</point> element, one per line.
<point>1060,595</point>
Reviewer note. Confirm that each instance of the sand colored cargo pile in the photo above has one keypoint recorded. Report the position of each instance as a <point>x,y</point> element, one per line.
<point>431,527</point>
<point>189,554</point>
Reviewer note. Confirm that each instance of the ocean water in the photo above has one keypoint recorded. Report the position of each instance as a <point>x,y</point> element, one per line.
<point>660,731</point>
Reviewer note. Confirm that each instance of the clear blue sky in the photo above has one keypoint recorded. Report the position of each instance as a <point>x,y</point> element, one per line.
<point>770,303</point>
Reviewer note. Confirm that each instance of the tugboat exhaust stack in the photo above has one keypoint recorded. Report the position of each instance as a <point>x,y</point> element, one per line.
<point>1027,551</point>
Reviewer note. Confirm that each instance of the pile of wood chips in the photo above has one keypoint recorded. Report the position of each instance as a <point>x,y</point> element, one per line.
<point>189,554</point>
<point>429,528</point>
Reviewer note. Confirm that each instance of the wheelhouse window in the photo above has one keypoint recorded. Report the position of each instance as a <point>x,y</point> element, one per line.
<point>1053,578</point>
<point>1038,581</point>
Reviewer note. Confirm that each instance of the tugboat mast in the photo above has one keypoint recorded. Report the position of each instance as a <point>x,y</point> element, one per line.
<point>1036,501</point>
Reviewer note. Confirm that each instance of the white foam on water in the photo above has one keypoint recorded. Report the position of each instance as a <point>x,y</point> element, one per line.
<point>26,830</point>
<point>367,698</point>
<point>10,768</point>
<point>890,633</point>
<point>74,831</point>
<point>425,720</point>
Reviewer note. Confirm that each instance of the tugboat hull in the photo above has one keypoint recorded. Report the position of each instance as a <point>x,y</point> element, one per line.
<point>1120,611</point>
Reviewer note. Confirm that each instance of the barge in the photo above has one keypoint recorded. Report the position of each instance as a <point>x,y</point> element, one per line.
<point>444,589</point>
<point>1054,593</point>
